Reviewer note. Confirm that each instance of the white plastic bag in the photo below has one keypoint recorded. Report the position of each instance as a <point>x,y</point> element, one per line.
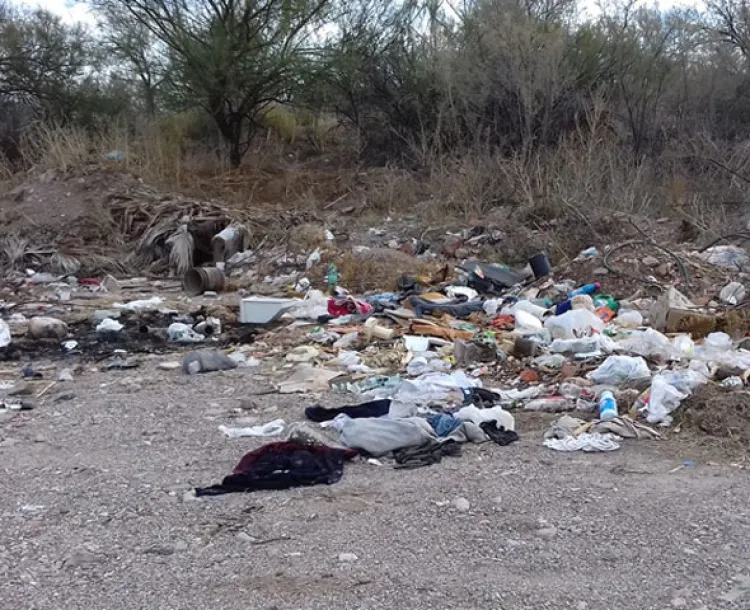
<point>628,318</point>
<point>182,333</point>
<point>574,324</point>
<point>648,343</point>
<point>427,362</point>
<point>616,370</point>
<point>585,345</point>
<point>4,334</point>
<point>733,293</point>
<point>526,323</point>
<point>108,325</point>
<point>663,399</point>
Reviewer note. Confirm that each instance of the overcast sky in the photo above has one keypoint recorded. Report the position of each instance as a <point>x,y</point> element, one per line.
<point>73,11</point>
<point>69,10</point>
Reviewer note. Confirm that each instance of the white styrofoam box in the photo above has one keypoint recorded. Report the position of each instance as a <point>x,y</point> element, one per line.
<point>262,310</point>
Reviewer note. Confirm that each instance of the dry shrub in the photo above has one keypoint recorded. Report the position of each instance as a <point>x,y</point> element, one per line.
<point>378,269</point>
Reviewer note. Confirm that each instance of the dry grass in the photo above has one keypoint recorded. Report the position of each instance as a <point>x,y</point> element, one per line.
<point>567,196</point>
<point>378,269</point>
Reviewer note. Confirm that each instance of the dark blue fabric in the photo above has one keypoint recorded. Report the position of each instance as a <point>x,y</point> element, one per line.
<point>374,408</point>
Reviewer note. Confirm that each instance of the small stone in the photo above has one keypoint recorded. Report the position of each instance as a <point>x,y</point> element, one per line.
<point>80,558</point>
<point>547,533</point>
<point>497,500</point>
<point>461,505</point>
<point>169,366</point>
<point>21,389</point>
<point>244,537</point>
<point>678,602</point>
<point>581,606</point>
<point>347,557</point>
<point>650,261</point>
<point>601,271</point>
<point>662,270</point>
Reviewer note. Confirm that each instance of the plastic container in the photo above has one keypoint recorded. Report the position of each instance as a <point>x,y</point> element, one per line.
<point>540,265</point>
<point>262,310</point>
<point>201,279</point>
<point>585,289</point>
<point>607,405</point>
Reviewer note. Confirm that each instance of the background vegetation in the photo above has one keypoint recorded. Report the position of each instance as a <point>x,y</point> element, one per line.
<point>468,105</point>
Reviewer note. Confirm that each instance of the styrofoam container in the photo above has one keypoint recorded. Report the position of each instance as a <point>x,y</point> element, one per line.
<point>262,310</point>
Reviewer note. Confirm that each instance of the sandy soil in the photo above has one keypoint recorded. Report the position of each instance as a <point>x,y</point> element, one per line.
<point>94,515</point>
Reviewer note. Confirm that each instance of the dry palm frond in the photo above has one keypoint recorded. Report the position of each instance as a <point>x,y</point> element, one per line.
<point>64,264</point>
<point>181,245</point>
<point>14,249</point>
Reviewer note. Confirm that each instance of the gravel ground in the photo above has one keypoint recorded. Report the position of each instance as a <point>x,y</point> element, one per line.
<point>95,516</point>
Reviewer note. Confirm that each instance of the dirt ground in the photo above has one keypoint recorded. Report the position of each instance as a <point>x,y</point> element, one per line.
<point>95,514</point>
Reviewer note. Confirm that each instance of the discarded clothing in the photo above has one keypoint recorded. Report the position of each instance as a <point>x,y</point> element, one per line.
<point>375,408</point>
<point>380,435</point>
<point>500,435</point>
<point>428,454</point>
<point>457,309</point>
<point>584,442</point>
<point>303,433</point>
<point>480,397</point>
<point>282,466</point>
<point>273,428</point>
<point>348,306</point>
<point>443,424</point>
<point>497,415</point>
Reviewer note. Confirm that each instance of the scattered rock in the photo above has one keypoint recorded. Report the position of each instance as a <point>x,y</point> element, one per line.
<point>169,366</point>
<point>547,533</point>
<point>650,261</point>
<point>21,389</point>
<point>81,558</point>
<point>347,557</point>
<point>47,328</point>
<point>461,505</point>
<point>601,271</point>
<point>678,602</point>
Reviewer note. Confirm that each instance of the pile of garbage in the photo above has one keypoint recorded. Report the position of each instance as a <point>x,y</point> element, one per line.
<point>429,368</point>
<point>444,358</point>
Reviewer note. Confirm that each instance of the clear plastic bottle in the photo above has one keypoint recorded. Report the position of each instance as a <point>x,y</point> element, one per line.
<point>607,405</point>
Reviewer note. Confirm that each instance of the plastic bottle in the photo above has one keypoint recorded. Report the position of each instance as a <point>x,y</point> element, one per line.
<point>585,289</point>
<point>607,405</point>
<point>332,277</point>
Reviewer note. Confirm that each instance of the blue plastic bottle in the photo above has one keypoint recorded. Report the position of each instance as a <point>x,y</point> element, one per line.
<point>585,289</point>
<point>607,405</point>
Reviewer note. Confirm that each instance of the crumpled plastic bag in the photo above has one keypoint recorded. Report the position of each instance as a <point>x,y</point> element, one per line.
<point>733,293</point>
<point>574,324</point>
<point>668,390</point>
<point>649,343</point>
<point>5,338</point>
<point>726,257</point>
<point>616,370</point>
<point>183,333</point>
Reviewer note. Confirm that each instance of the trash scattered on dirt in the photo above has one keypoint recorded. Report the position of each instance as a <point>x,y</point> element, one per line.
<point>431,344</point>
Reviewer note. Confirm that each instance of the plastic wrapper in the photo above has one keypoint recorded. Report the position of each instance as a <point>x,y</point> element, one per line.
<point>574,324</point>
<point>585,345</point>
<point>616,370</point>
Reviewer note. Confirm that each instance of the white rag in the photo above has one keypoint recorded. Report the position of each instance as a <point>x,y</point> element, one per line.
<point>273,428</point>
<point>584,442</point>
